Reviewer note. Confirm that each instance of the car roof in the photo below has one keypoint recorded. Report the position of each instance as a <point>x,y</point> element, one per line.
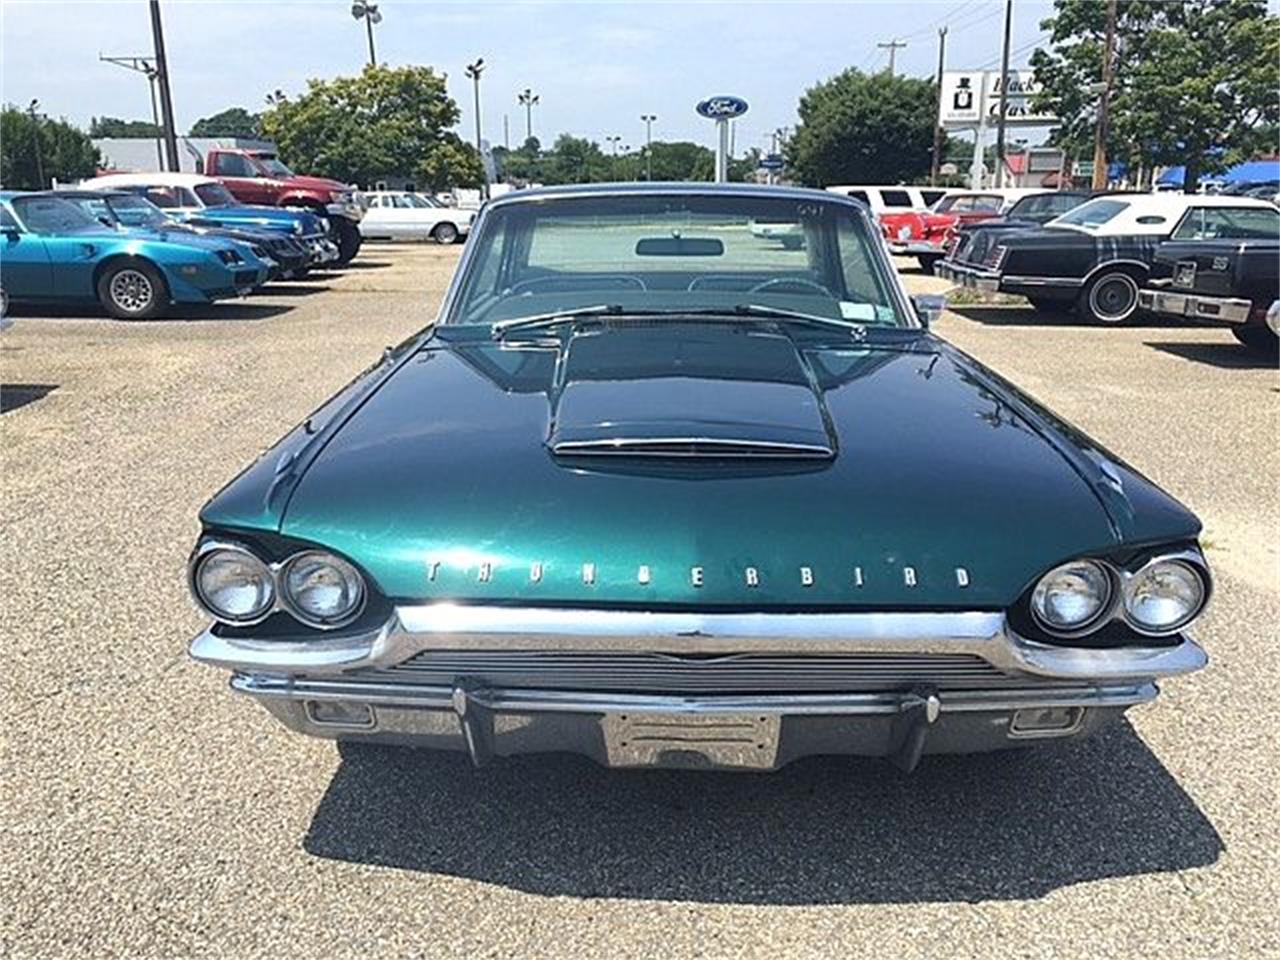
<point>703,189</point>
<point>159,178</point>
<point>83,193</point>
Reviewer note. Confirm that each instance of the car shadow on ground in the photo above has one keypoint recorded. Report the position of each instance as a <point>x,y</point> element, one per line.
<point>1012,825</point>
<point>1016,316</point>
<point>179,312</point>
<point>290,288</point>
<point>15,395</point>
<point>361,264</point>
<point>1227,356</point>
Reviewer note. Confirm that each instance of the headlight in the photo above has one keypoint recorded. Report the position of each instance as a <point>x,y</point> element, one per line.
<point>233,585</point>
<point>322,590</point>
<point>298,228</point>
<point>229,256</point>
<point>1164,596</point>
<point>904,232</point>
<point>1072,597</point>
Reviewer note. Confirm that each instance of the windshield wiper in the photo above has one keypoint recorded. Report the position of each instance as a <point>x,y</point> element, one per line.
<point>554,318</point>
<point>857,330</point>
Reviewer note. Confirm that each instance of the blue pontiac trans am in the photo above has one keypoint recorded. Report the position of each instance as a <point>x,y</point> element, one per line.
<point>52,251</point>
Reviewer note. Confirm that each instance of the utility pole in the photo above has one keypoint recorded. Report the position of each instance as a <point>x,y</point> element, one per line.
<point>35,137</point>
<point>166,99</point>
<point>937,120</point>
<point>506,132</point>
<point>473,71</point>
<point>147,67</point>
<point>893,46</point>
<point>1002,165</point>
<point>648,119</point>
<point>1100,134</point>
<point>528,99</point>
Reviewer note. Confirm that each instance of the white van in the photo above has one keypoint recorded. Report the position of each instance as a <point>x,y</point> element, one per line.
<point>882,198</point>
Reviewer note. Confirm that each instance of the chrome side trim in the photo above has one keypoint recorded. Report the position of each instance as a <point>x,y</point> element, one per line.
<point>447,626</point>
<point>556,701</point>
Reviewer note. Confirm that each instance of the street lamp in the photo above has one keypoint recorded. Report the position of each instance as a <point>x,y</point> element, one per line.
<point>528,99</point>
<point>33,112</point>
<point>614,140</point>
<point>648,119</point>
<point>473,71</point>
<point>368,12</point>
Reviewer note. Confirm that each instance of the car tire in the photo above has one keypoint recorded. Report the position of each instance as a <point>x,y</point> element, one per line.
<point>1110,298</point>
<point>445,233</point>
<point>927,261</point>
<point>4,303</point>
<point>1259,339</point>
<point>133,290</point>
<point>347,236</point>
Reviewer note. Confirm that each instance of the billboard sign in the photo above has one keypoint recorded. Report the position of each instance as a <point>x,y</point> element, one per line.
<point>972,98</point>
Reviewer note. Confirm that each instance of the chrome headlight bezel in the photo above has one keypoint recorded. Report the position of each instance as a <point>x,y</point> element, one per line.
<point>1104,573</point>
<point>350,575</point>
<point>1189,561</point>
<point>203,554</point>
<point>275,573</point>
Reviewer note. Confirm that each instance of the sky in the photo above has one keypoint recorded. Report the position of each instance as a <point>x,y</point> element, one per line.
<point>596,66</point>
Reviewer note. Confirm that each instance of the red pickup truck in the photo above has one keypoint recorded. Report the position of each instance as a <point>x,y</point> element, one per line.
<point>258,177</point>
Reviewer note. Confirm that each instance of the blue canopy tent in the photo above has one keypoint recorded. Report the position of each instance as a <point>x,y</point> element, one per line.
<point>1249,172</point>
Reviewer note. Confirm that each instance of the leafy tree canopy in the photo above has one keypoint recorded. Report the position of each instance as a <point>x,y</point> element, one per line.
<point>1194,82</point>
<point>387,122</point>
<point>861,128</point>
<point>115,127</point>
<point>232,122</point>
<point>576,160</point>
<point>34,151</point>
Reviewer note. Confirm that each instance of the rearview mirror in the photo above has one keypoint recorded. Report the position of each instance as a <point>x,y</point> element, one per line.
<point>680,247</point>
<point>929,307</point>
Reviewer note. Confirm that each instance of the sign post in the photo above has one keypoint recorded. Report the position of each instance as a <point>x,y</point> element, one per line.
<point>722,110</point>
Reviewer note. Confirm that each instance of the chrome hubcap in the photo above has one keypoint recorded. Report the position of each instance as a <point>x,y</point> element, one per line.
<point>446,233</point>
<point>1114,298</point>
<point>131,291</point>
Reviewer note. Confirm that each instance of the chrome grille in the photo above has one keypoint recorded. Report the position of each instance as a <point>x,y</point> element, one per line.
<point>661,672</point>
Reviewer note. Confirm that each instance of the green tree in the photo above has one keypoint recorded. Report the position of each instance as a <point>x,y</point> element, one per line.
<point>1194,82</point>
<point>232,122</point>
<point>34,151</point>
<point>860,128</point>
<point>387,122</point>
<point>575,160</point>
<point>115,127</point>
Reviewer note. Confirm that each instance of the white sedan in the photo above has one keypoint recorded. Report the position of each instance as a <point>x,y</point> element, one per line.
<point>400,215</point>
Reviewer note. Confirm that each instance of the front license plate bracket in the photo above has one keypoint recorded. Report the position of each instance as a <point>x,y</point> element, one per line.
<point>746,741</point>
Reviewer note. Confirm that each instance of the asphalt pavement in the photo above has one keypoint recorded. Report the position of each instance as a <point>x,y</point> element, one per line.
<point>147,812</point>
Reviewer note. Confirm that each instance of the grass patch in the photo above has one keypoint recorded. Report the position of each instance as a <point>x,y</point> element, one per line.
<point>968,297</point>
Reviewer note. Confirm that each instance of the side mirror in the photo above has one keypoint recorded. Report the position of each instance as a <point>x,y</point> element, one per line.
<point>10,232</point>
<point>929,307</point>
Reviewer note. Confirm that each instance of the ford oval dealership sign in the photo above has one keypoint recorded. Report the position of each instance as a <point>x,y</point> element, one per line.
<point>722,108</point>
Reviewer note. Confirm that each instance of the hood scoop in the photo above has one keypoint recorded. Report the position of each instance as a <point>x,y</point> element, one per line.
<point>679,391</point>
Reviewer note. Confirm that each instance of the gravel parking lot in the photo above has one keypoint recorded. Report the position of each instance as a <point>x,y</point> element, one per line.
<point>148,812</point>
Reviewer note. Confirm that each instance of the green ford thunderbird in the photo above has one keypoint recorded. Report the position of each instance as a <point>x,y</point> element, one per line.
<point>660,491</point>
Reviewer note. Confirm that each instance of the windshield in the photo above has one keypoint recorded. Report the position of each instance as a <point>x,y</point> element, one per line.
<point>668,253</point>
<point>1092,214</point>
<point>135,211</point>
<point>274,167</point>
<point>52,215</point>
<point>215,195</point>
<point>418,200</point>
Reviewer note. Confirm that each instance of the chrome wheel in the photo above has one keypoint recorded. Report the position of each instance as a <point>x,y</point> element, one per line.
<point>1113,297</point>
<point>446,233</point>
<point>132,291</point>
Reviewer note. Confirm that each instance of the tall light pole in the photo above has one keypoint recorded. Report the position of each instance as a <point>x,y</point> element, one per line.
<point>1002,164</point>
<point>648,119</point>
<point>166,99</point>
<point>615,139</point>
<point>473,71</point>
<point>1100,134</point>
<point>528,99</point>
<point>368,12</point>
<point>937,120</point>
<point>32,112</point>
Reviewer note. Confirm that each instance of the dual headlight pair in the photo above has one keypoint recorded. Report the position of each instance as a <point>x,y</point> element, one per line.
<point>230,256</point>
<point>235,586</point>
<point>1160,597</point>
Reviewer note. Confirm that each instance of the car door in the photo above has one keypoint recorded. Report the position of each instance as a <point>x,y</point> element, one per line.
<point>24,262</point>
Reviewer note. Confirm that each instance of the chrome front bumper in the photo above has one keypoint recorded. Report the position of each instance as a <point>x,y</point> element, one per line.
<point>973,278</point>
<point>1195,306</point>
<point>911,248</point>
<point>339,686</point>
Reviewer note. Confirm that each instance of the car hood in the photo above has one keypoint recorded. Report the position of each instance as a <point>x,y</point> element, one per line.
<point>942,487</point>
<point>271,218</point>
<point>316,184</point>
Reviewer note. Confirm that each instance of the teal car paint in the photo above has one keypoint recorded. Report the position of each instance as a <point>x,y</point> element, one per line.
<point>675,483</point>
<point>52,251</point>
